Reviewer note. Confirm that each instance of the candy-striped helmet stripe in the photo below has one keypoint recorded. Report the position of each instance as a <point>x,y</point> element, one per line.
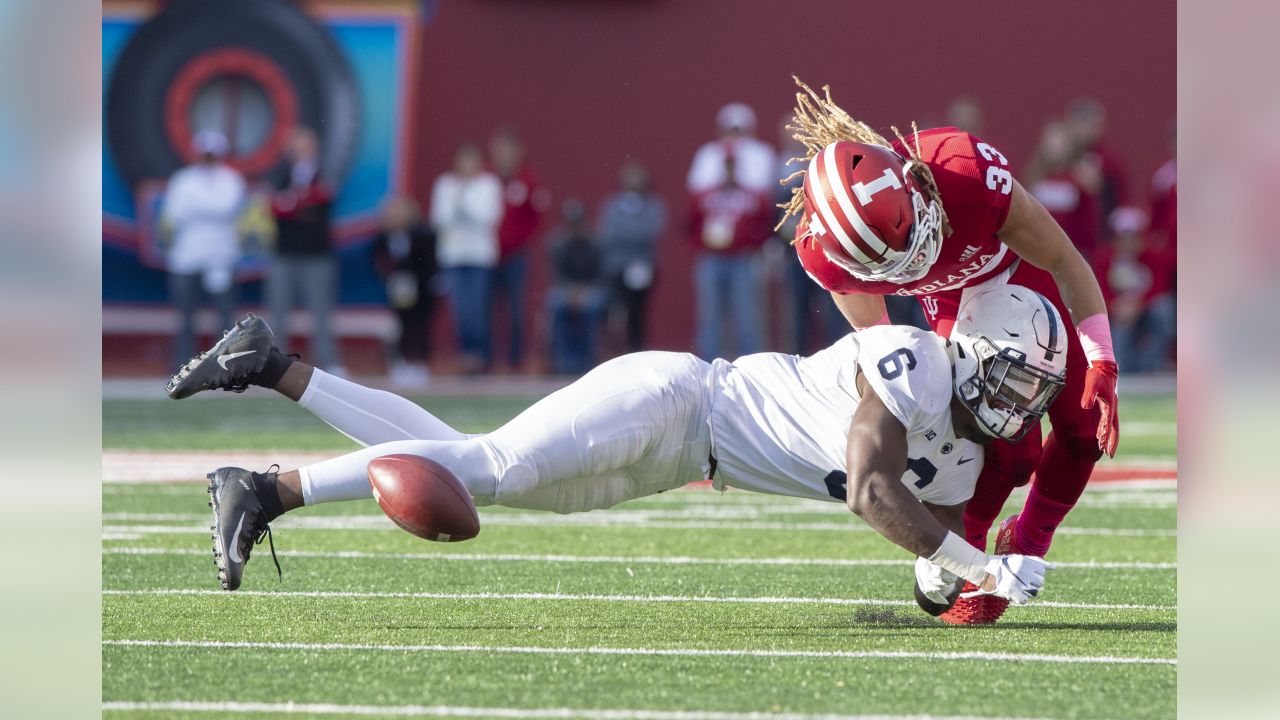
<point>870,240</point>
<point>827,182</point>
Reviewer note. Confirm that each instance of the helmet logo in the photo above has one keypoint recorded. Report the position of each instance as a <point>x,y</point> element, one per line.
<point>865,191</point>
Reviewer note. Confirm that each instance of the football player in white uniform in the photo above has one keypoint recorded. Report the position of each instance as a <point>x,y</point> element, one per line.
<point>887,420</point>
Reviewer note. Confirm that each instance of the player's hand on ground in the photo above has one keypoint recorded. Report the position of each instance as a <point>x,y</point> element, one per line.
<point>1100,387</point>
<point>1016,578</point>
<point>935,582</point>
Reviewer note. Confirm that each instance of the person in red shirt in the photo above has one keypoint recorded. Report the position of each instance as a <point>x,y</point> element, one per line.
<point>933,216</point>
<point>305,263</point>
<point>1137,277</point>
<point>1067,183</point>
<point>728,224</point>
<point>1086,120</point>
<point>1163,234</point>
<point>526,200</point>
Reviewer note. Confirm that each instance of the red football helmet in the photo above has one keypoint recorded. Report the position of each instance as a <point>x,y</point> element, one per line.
<point>868,213</point>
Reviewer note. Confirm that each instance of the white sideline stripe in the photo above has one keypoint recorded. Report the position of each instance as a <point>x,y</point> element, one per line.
<point>1151,428</point>
<point>635,519</point>
<point>595,598</point>
<point>662,652</point>
<point>639,560</point>
<point>293,708</point>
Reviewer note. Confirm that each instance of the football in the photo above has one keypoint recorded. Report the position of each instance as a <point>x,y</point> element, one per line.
<point>424,498</point>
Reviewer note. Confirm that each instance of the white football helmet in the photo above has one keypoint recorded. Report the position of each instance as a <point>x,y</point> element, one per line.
<point>1008,358</point>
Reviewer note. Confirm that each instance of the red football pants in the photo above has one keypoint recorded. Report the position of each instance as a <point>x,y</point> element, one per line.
<point>1062,464</point>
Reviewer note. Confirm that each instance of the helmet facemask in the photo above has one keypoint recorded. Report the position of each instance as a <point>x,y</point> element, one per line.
<point>926,240</point>
<point>1007,395</point>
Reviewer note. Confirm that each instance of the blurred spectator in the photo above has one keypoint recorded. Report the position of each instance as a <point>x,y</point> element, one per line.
<point>965,113</point>
<point>1086,120</point>
<point>809,304</point>
<point>576,300</point>
<point>466,207</point>
<point>201,206</point>
<point>1067,184</point>
<point>1137,282</point>
<point>304,263</point>
<point>630,223</point>
<point>525,200</point>
<point>1163,235</point>
<point>754,161</point>
<point>729,223</point>
<point>404,253</point>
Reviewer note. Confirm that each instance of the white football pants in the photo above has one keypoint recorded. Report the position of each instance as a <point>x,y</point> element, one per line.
<point>634,426</point>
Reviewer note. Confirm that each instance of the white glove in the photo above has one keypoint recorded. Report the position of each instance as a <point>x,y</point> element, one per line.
<point>935,582</point>
<point>1017,577</point>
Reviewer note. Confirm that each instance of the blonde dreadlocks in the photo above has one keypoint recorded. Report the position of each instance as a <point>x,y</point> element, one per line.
<point>817,122</point>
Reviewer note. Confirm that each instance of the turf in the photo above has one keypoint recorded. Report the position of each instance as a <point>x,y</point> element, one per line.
<point>687,601</point>
<point>219,422</point>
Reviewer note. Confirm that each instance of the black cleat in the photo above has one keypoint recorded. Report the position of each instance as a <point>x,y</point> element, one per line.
<point>239,522</point>
<point>230,364</point>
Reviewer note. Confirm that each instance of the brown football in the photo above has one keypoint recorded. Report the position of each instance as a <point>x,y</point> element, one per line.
<point>423,497</point>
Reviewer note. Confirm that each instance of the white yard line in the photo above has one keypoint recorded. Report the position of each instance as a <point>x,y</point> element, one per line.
<point>1150,428</point>
<point>639,519</point>
<point>660,652</point>
<point>148,466</point>
<point>618,559</point>
<point>292,708</point>
<point>596,598</point>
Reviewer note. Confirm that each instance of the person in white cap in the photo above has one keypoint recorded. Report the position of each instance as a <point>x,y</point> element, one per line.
<point>731,186</point>
<point>754,161</point>
<point>202,205</point>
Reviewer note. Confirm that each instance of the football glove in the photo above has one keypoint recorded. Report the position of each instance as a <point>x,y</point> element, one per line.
<point>935,582</point>
<point>1017,578</point>
<point>1100,387</point>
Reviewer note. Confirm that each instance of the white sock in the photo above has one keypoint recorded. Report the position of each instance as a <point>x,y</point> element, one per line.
<point>368,416</point>
<point>346,477</point>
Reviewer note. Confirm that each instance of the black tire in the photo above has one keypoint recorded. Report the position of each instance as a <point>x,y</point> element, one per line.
<point>314,64</point>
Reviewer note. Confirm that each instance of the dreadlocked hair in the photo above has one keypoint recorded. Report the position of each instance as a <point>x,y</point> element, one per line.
<point>817,122</point>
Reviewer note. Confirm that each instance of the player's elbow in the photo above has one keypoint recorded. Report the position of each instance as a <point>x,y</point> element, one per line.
<point>862,498</point>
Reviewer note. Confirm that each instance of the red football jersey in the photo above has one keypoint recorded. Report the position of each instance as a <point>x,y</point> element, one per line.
<point>976,185</point>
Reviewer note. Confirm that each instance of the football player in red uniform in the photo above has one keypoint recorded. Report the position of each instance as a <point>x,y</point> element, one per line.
<point>936,217</point>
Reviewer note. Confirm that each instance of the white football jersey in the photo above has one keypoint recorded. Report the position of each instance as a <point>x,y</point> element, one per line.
<point>780,423</point>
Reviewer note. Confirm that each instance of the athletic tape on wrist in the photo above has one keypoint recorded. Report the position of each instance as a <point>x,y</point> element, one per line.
<point>961,558</point>
<point>1095,337</point>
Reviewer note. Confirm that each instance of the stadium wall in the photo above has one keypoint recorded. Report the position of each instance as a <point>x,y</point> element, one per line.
<point>594,83</point>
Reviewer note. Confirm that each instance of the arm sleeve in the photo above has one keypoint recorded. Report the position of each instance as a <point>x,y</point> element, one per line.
<point>173,210</point>
<point>488,201</point>
<point>440,205</point>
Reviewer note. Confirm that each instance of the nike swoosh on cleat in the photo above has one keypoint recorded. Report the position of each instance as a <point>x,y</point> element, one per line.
<point>233,552</point>
<point>222,359</point>
<point>963,461</point>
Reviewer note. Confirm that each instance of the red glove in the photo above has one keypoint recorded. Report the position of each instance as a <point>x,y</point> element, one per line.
<point>1100,387</point>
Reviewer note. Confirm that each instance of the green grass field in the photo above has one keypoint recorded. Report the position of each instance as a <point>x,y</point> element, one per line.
<point>690,605</point>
